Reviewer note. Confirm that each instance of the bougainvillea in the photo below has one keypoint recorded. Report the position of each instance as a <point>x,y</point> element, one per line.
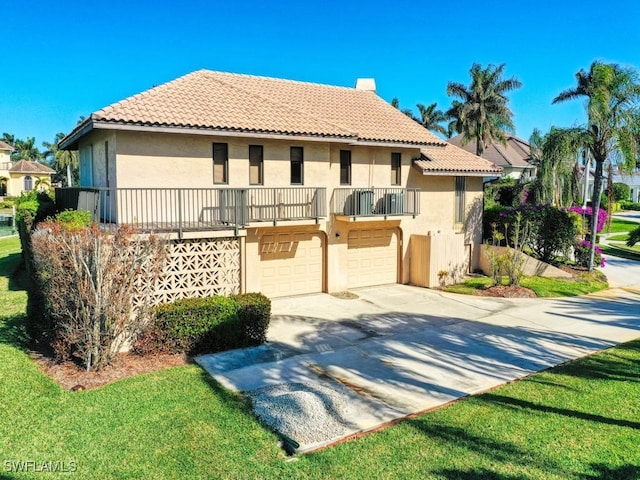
<point>602,215</point>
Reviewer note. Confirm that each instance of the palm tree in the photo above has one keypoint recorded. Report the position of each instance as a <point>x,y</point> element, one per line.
<point>480,112</point>
<point>613,94</point>
<point>558,171</point>
<point>431,118</point>
<point>26,150</point>
<point>395,103</point>
<point>61,159</point>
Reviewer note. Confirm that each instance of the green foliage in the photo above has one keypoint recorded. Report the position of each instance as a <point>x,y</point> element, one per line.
<point>552,230</point>
<point>254,312</point>
<point>204,325</point>
<point>505,193</point>
<point>491,219</point>
<point>621,191</point>
<point>634,237</point>
<point>8,202</point>
<point>75,219</point>
<point>630,205</point>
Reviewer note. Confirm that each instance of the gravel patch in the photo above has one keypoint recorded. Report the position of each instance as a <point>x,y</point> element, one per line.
<point>308,413</point>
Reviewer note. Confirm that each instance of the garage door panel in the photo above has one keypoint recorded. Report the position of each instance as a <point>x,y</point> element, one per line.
<point>372,257</point>
<point>291,263</point>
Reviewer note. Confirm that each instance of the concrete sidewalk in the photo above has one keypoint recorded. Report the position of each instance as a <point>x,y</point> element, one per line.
<point>399,350</point>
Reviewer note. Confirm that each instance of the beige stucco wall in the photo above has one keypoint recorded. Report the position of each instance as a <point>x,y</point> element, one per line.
<point>162,160</point>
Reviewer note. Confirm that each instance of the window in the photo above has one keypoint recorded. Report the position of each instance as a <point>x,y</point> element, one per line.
<point>345,167</point>
<point>255,164</point>
<point>459,206</point>
<point>220,163</point>
<point>297,163</point>
<point>28,183</point>
<point>396,162</point>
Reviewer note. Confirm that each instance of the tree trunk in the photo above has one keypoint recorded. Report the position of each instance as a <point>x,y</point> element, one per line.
<point>595,208</point>
<point>69,179</point>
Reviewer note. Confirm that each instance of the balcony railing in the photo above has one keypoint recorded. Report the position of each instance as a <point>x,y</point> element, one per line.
<point>375,202</point>
<point>185,209</point>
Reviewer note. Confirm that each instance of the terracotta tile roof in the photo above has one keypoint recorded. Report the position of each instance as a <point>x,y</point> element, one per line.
<point>516,153</point>
<point>5,146</point>
<point>27,166</point>
<point>208,100</point>
<point>452,160</point>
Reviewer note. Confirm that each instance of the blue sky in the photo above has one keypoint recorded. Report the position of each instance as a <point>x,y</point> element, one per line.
<point>66,59</point>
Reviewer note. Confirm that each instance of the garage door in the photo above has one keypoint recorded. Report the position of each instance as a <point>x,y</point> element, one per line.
<point>291,263</point>
<point>372,257</point>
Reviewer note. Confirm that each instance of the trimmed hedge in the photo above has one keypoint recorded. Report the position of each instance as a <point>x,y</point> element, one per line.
<point>627,205</point>
<point>206,325</point>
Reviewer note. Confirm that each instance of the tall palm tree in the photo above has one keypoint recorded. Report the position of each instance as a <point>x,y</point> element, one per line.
<point>26,150</point>
<point>61,159</point>
<point>431,118</point>
<point>613,95</point>
<point>558,171</point>
<point>480,111</point>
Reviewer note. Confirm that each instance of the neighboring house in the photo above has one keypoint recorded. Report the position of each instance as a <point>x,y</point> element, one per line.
<point>514,157</point>
<point>280,186</point>
<point>21,176</point>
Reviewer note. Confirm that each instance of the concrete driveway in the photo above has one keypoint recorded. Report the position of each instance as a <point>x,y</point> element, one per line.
<point>398,350</point>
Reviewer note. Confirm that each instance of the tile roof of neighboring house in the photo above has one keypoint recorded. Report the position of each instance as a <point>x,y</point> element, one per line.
<point>5,146</point>
<point>515,154</point>
<point>449,159</point>
<point>218,102</point>
<point>27,166</point>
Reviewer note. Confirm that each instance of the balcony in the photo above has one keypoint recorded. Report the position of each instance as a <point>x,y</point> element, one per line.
<point>375,202</point>
<point>194,209</point>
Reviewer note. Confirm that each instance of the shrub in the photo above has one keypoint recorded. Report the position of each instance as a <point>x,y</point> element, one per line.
<point>74,219</point>
<point>550,230</point>
<point>88,280</point>
<point>621,191</point>
<point>602,216</point>
<point>204,325</point>
<point>628,205</point>
<point>196,325</point>
<point>254,312</point>
<point>582,253</point>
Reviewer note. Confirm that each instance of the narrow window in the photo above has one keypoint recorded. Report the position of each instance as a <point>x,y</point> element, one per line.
<point>28,183</point>
<point>459,208</point>
<point>255,164</point>
<point>220,163</point>
<point>396,162</point>
<point>345,167</point>
<point>297,163</point>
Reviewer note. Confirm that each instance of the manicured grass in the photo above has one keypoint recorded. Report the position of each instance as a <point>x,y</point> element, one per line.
<point>575,422</point>
<point>542,286</point>
<point>618,238</point>
<point>619,225</point>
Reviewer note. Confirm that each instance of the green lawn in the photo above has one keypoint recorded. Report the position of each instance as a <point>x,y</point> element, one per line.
<point>619,225</point>
<point>543,287</point>
<point>579,422</point>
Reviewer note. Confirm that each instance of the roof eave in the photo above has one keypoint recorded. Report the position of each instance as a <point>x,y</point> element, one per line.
<point>70,142</point>
<point>460,173</point>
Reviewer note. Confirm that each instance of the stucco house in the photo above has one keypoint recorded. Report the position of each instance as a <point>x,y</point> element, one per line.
<point>20,176</point>
<point>281,186</point>
<point>514,157</point>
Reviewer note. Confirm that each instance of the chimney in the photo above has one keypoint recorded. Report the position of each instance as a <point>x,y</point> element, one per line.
<point>366,84</point>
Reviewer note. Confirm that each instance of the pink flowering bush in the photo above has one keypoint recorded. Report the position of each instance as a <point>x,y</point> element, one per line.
<point>602,215</point>
<point>582,251</point>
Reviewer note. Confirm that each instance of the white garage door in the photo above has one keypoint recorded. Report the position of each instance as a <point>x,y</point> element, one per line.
<point>372,257</point>
<point>291,263</point>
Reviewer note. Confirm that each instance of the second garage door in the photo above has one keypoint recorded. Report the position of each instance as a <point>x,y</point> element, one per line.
<point>291,263</point>
<point>372,257</point>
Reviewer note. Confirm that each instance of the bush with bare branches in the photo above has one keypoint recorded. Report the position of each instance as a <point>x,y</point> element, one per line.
<point>89,278</point>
